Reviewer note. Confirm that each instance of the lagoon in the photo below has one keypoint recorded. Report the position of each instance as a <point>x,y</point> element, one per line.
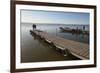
<point>34,50</point>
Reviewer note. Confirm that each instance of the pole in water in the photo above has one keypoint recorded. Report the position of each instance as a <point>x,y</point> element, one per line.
<point>56,31</point>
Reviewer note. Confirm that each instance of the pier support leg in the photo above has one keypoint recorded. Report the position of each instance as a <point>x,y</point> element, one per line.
<point>65,52</point>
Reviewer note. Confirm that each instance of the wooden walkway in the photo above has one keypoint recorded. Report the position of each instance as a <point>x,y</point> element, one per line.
<point>78,49</point>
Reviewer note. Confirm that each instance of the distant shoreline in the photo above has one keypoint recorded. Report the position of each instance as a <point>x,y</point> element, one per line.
<point>53,24</point>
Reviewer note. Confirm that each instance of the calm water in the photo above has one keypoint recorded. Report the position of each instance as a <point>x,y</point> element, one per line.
<point>35,50</point>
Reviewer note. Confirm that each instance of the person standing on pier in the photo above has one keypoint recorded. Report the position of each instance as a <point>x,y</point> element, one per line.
<point>84,27</point>
<point>34,26</point>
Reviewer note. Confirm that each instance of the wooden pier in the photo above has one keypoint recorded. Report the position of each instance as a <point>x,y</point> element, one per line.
<point>80,50</point>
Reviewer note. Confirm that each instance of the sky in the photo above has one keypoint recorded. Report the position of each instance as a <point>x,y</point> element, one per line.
<point>53,17</point>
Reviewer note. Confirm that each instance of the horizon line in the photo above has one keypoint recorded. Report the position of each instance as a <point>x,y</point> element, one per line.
<point>54,23</point>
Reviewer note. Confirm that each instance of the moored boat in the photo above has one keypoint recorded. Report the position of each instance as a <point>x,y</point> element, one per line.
<point>77,31</point>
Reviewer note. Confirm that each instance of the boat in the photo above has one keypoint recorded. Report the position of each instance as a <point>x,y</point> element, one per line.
<point>76,31</point>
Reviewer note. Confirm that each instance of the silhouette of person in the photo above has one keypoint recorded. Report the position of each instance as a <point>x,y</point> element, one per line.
<point>83,27</point>
<point>34,26</point>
